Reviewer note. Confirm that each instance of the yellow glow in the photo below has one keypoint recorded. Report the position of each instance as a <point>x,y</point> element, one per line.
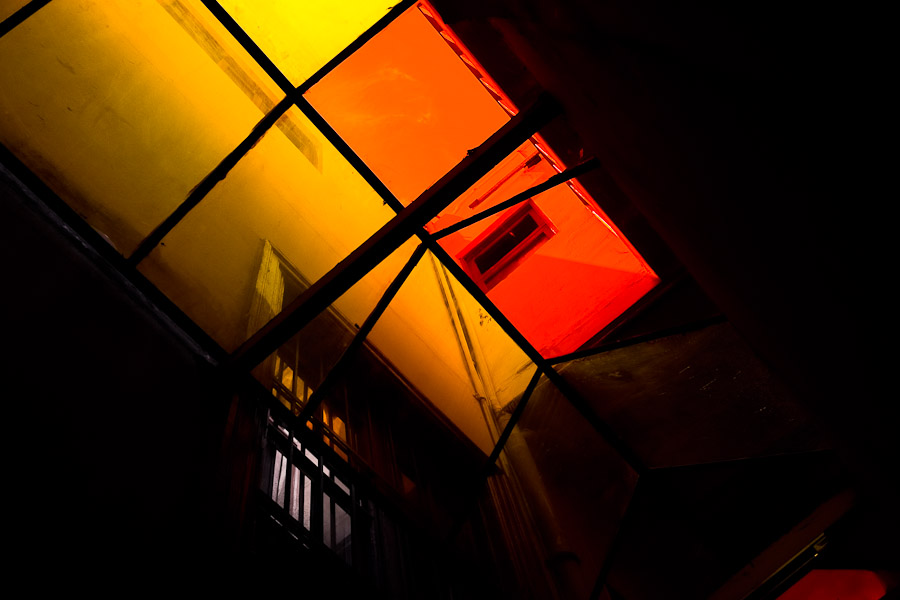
<point>119,109</point>
<point>314,216</point>
<point>438,336</point>
<point>300,37</point>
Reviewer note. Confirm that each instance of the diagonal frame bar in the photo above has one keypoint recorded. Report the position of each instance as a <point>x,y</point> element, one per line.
<point>293,97</point>
<point>513,419</point>
<point>398,230</point>
<point>543,364</point>
<point>555,180</point>
<point>338,370</point>
<point>206,185</point>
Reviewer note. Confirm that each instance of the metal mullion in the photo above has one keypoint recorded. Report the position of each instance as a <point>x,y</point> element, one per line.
<point>356,44</point>
<point>293,96</point>
<point>309,111</point>
<point>543,364</point>
<point>343,362</point>
<point>551,182</point>
<point>393,234</point>
<point>207,183</point>
<point>250,47</point>
<point>21,15</point>
<point>272,70</point>
<point>266,64</point>
<point>513,419</point>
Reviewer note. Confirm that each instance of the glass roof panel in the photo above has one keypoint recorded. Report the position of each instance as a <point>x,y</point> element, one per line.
<point>450,350</point>
<point>408,104</point>
<point>292,190</point>
<point>521,170</point>
<point>122,107</point>
<point>555,265</point>
<point>300,37</point>
<point>299,366</point>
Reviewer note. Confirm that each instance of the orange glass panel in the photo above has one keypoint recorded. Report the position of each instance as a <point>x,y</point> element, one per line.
<point>576,278</point>
<point>521,170</point>
<point>300,37</point>
<point>122,107</point>
<point>412,116</point>
<point>408,104</point>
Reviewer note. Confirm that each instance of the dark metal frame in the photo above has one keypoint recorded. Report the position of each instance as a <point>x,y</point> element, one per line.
<point>410,221</point>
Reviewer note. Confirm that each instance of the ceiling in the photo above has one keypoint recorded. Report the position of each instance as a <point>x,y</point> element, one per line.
<point>750,387</point>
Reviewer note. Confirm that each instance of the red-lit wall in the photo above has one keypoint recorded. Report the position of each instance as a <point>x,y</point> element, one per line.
<point>837,585</point>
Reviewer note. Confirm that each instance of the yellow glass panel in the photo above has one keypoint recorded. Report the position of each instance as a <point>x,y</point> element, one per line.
<point>306,214</point>
<point>444,343</point>
<point>9,7</point>
<point>300,37</point>
<point>122,107</point>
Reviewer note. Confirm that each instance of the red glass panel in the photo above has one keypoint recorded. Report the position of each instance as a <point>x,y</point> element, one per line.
<point>836,585</point>
<point>581,276</point>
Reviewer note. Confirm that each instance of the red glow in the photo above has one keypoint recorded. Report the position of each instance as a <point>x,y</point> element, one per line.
<point>574,284</point>
<point>837,585</point>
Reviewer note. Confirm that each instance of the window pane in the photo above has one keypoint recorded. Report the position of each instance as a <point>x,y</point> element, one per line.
<point>295,492</point>
<point>292,200</point>
<point>122,107</point>
<point>411,116</point>
<point>307,500</point>
<point>300,37</point>
<point>279,478</point>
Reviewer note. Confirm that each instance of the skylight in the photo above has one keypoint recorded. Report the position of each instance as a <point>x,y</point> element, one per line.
<point>173,128</point>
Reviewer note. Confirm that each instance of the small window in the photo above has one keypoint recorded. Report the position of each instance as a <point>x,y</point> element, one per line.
<point>492,256</point>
